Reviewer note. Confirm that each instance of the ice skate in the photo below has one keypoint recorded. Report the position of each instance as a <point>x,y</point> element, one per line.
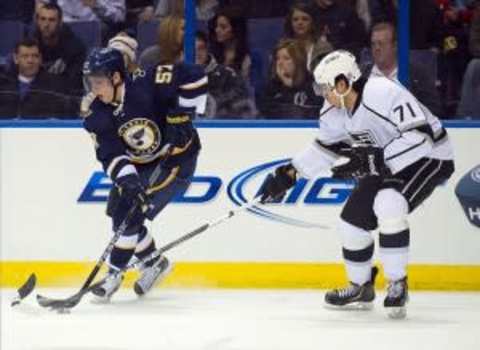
<point>152,275</point>
<point>396,299</point>
<point>354,296</point>
<point>107,287</point>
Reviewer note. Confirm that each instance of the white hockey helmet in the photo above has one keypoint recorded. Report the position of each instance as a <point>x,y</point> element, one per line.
<point>336,63</point>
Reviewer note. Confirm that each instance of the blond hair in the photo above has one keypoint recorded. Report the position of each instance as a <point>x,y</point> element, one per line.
<point>170,39</point>
<point>296,50</point>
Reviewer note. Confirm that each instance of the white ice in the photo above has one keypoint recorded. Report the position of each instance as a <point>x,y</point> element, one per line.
<point>216,319</point>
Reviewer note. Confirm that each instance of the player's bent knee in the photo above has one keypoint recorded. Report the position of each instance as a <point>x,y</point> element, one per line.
<point>354,238</point>
<point>391,209</point>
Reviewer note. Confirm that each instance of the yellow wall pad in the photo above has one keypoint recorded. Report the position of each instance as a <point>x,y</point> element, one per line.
<point>243,275</point>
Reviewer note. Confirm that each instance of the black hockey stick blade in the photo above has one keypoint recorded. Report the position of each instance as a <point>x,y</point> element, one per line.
<point>68,303</point>
<point>25,290</point>
<point>59,303</point>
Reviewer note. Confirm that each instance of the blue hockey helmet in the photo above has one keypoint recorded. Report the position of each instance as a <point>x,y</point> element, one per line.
<point>104,62</point>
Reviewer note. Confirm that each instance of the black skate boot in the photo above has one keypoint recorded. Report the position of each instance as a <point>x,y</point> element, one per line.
<point>396,299</point>
<point>353,297</point>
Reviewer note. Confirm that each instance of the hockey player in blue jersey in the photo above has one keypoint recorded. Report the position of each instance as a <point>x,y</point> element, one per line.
<point>139,124</point>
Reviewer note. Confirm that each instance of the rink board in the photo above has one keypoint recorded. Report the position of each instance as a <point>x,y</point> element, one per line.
<point>53,198</point>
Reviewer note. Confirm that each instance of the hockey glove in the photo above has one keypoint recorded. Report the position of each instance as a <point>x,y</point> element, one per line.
<point>179,129</point>
<point>275,186</point>
<point>133,191</point>
<point>363,161</point>
<point>373,161</point>
<point>350,169</point>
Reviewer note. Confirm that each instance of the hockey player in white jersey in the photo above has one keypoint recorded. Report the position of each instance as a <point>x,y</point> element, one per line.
<point>397,151</point>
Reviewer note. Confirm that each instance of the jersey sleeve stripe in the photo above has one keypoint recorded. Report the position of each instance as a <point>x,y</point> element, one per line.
<point>379,115</point>
<point>115,162</point>
<point>406,150</point>
<point>195,85</point>
<point>126,170</point>
<point>334,149</point>
<point>199,103</point>
<point>440,136</point>
<point>201,90</point>
<point>326,111</point>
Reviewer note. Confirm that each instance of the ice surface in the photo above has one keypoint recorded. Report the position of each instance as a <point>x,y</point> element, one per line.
<point>216,319</point>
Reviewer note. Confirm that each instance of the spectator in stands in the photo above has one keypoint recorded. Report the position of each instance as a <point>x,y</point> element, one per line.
<point>139,11</point>
<point>27,91</point>
<point>474,37</point>
<point>373,11</point>
<point>425,25</point>
<point>469,105</point>
<point>343,27</point>
<point>128,47</point>
<point>205,9</point>
<point>382,11</point>
<point>299,25</point>
<point>62,52</point>
<point>454,53</point>
<point>93,10</point>
<point>169,48</point>
<point>227,91</point>
<point>289,93</point>
<point>384,52</point>
<point>111,13</point>
<point>228,41</point>
<point>260,9</point>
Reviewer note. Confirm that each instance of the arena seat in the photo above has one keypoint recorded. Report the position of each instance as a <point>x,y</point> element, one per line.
<point>263,34</point>
<point>89,32</point>
<point>12,32</point>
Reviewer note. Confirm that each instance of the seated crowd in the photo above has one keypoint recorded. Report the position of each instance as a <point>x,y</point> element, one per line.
<point>258,55</point>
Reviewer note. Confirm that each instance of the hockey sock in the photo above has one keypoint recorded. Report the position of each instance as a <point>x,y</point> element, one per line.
<point>359,264</point>
<point>358,246</point>
<point>145,246</point>
<point>119,257</point>
<point>394,248</point>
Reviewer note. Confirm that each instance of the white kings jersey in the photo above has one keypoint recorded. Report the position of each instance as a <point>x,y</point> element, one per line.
<point>386,116</point>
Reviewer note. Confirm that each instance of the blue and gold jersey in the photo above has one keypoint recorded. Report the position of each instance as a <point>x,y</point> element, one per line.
<point>133,132</point>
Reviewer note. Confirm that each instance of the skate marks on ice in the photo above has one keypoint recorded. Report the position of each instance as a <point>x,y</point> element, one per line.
<point>241,320</point>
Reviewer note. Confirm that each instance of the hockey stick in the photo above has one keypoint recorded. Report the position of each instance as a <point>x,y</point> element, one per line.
<point>25,290</point>
<point>191,234</point>
<point>72,301</point>
<point>61,305</point>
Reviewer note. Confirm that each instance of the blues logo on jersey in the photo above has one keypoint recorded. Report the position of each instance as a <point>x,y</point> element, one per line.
<point>143,138</point>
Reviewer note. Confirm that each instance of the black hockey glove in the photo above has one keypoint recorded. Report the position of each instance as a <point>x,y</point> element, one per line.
<point>364,161</point>
<point>349,170</point>
<point>179,129</point>
<point>133,191</point>
<point>275,186</point>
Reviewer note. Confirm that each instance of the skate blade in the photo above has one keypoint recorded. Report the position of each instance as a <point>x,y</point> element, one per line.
<point>356,306</point>
<point>397,313</point>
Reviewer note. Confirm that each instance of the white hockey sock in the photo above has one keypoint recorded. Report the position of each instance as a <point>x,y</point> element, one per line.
<point>357,251</point>
<point>359,273</point>
<point>394,249</point>
<point>394,262</point>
